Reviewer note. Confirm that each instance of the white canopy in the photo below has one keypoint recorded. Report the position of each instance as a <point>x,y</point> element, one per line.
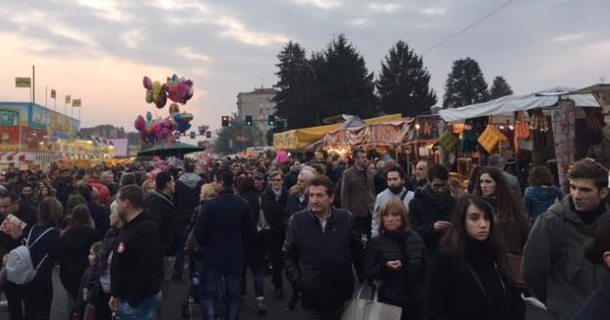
<point>543,99</point>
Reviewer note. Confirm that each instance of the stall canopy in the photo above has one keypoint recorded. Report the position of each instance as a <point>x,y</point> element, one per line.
<point>542,99</point>
<point>390,134</point>
<point>176,149</point>
<point>601,91</point>
<point>299,138</point>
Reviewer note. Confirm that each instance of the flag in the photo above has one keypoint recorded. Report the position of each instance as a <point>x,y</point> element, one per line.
<point>23,82</point>
<point>76,103</point>
<point>68,99</point>
<point>53,94</point>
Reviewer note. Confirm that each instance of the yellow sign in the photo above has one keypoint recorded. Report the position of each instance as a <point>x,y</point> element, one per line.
<point>76,103</point>
<point>23,82</point>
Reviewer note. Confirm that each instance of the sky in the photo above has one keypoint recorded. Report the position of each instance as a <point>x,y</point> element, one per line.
<point>99,50</point>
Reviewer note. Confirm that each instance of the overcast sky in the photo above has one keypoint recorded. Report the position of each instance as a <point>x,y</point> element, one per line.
<point>99,50</point>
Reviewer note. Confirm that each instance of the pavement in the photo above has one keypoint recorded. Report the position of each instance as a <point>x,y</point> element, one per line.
<point>173,305</point>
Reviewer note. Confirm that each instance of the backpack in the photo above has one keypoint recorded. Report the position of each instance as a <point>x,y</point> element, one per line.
<point>19,266</point>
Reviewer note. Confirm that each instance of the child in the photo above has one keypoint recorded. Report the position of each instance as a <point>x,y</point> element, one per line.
<point>82,308</point>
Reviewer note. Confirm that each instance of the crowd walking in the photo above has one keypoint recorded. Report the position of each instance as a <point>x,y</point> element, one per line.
<point>324,231</point>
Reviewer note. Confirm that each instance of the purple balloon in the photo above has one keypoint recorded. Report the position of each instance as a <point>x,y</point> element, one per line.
<point>147,83</point>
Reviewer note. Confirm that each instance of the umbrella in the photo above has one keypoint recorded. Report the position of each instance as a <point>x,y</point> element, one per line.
<point>176,149</point>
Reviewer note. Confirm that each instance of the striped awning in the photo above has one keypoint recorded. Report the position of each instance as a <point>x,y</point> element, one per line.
<point>14,156</point>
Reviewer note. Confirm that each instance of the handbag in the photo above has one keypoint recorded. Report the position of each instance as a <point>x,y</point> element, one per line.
<point>356,307</point>
<point>90,312</point>
<point>375,310</point>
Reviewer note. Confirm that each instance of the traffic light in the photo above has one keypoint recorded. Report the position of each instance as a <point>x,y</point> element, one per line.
<point>225,121</point>
<point>192,134</point>
<point>272,121</point>
<point>208,134</point>
<point>248,121</point>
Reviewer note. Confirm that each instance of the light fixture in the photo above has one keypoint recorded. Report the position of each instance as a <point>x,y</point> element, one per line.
<point>417,126</point>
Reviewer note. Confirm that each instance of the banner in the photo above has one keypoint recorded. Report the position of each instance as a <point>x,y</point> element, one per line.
<point>53,94</point>
<point>9,117</point>
<point>76,103</point>
<point>68,99</point>
<point>23,82</point>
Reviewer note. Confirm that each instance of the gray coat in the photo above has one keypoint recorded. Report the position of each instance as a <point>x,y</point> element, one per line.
<point>358,192</point>
<point>554,264</point>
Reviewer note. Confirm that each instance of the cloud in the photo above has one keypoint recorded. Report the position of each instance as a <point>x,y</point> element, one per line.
<point>384,7</point>
<point>107,9</point>
<point>189,53</point>
<point>40,20</point>
<point>358,22</point>
<point>434,11</point>
<point>236,30</point>
<point>320,4</point>
<point>569,37</point>
<point>133,39</point>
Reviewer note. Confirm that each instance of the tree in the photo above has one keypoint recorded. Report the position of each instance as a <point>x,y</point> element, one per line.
<point>500,88</point>
<point>404,83</point>
<point>296,79</point>
<point>344,81</point>
<point>234,138</point>
<point>465,85</point>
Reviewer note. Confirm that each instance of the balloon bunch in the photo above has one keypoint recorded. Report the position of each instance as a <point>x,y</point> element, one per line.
<point>176,89</point>
<point>163,130</point>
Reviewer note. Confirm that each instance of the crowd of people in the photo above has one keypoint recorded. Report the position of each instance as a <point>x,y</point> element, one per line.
<point>425,242</point>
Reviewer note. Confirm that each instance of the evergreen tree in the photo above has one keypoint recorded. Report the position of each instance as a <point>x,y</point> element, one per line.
<point>404,83</point>
<point>500,88</point>
<point>296,79</point>
<point>344,81</point>
<point>465,85</point>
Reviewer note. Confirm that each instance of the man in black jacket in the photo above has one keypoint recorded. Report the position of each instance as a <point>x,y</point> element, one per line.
<point>136,272</point>
<point>290,179</point>
<point>160,208</point>
<point>273,202</point>
<point>223,229</point>
<point>186,199</point>
<point>432,206</point>
<point>319,251</point>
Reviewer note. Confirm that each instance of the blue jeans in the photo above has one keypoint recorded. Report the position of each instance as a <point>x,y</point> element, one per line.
<point>180,235</point>
<point>258,277</point>
<point>211,277</point>
<point>146,310</point>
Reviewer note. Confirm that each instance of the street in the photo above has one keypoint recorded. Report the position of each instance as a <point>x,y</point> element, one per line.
<point>173,307</point>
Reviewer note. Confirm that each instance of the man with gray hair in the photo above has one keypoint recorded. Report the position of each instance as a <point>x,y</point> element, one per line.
<point>496,160</point>
<point>297,202</point>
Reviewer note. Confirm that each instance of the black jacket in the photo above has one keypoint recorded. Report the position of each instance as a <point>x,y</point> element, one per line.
<point>293,205</point>
<point>255,253</point>
<point>75,245</point>
<point>597,306</point>
<point>273,208</point>
<point>405,287</point>
<point>186,196</point>
<point>224,228</point>
<point>319,263</point>
<point>162,210</point>
<point>136,272</point>
<point>26,214</point>
<point>425,209</point>
<point>290,179</point>
<point>453,293</point>
<point>101,217</point>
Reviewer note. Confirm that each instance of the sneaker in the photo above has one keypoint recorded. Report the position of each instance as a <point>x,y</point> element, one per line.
<point>261,307</point>
<point>3,304</point>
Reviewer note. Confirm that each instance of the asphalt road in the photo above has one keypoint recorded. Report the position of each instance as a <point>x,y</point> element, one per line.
<point>173,306</point>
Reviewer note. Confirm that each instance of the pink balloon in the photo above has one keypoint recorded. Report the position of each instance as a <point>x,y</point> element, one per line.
<point>140,123</point>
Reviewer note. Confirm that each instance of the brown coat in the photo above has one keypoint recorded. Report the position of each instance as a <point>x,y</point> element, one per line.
<point>358,192</point>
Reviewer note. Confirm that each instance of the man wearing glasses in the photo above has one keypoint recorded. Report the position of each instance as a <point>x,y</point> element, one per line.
<point>431,208</point>
<point>273,203</point>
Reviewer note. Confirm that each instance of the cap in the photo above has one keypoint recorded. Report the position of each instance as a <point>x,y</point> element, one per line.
<point>259,175</point>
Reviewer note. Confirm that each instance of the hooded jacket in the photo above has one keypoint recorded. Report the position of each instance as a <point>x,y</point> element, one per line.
<point>538,200</point>
<point>186,196</point>
<point>554,264</point>
<point>162,211</point>
<point>425,209</point>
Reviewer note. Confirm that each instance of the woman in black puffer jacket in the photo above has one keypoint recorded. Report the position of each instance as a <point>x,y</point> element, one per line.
<point>396,261</point>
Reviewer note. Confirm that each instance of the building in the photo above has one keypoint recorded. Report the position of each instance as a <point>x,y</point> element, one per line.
<point>258,104</point>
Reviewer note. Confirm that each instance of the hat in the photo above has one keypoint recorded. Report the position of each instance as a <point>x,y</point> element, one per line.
<point>259,175</point>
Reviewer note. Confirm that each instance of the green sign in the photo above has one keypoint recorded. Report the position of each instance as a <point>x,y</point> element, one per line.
<point>9,117</point>
<point>23,82</point>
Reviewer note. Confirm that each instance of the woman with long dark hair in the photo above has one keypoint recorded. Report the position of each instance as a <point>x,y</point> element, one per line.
<point>470,278</point>
<point>76,240</point>
<point>512,223</point>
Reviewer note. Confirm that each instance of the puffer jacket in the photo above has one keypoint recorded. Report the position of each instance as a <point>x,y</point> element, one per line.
<point>554,264</point>
<point>403,288</point>
<point>538,200</point>
<point>161,209</point>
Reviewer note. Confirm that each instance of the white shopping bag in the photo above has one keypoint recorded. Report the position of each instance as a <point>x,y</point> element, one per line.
<point>375,310</point>
<point>356,307</point>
